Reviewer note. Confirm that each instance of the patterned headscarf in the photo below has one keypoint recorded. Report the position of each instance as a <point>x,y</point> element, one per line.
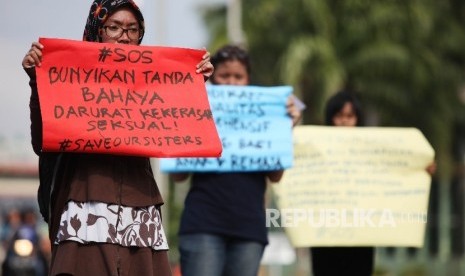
<point>101,10</point>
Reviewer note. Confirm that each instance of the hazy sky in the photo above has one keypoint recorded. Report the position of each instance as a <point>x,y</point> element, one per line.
<point>168,22</point>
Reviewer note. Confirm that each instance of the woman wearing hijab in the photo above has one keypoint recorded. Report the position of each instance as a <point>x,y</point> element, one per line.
<point>104,209</point>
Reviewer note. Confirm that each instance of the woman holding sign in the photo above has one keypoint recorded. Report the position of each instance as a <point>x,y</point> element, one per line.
<point>344,110</point>
<point>223,230</point>
<point>103,210</point>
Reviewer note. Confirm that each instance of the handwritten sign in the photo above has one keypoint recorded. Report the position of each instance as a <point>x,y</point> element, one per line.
<point>124,99</point>
<point>355,187</point>
<point>254,127</point>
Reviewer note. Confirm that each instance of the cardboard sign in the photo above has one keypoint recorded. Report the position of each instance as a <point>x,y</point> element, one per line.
<point>355,186</point>
<point>124,99</point>
<point>254,127</point>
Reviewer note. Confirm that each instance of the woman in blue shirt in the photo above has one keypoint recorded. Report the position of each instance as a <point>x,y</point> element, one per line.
<point>223,230</point>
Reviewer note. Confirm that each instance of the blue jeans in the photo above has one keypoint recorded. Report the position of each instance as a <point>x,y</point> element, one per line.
<point>216,255</point>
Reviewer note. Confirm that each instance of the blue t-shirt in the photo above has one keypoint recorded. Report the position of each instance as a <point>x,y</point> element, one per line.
<point>230,204</point>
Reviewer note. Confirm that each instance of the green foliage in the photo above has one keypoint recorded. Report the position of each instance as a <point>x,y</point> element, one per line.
<point>405,59</point>
<point>216,24</point>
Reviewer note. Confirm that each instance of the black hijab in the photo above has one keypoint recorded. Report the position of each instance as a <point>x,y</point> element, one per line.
<point>101,10</point>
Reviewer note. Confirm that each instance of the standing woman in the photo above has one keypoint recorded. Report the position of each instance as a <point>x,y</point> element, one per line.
<point>104,209</point>
<point>223,230</point>
<point>343,110</point>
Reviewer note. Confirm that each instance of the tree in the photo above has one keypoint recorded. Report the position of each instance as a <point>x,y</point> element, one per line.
<point>404,58</point>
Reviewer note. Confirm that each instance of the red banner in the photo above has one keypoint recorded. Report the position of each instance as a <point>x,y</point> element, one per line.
<point>124,99</point>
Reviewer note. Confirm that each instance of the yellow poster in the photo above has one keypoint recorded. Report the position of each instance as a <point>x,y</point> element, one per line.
<point>355,186</point>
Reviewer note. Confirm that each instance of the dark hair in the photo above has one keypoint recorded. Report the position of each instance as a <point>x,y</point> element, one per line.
<point>337,102</point>
<point>230,53</point>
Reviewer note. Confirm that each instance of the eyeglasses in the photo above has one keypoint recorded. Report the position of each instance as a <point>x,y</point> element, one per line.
<point>116,32</point>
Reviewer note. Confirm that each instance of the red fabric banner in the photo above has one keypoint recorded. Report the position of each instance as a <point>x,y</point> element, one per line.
<point>124,99</point>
